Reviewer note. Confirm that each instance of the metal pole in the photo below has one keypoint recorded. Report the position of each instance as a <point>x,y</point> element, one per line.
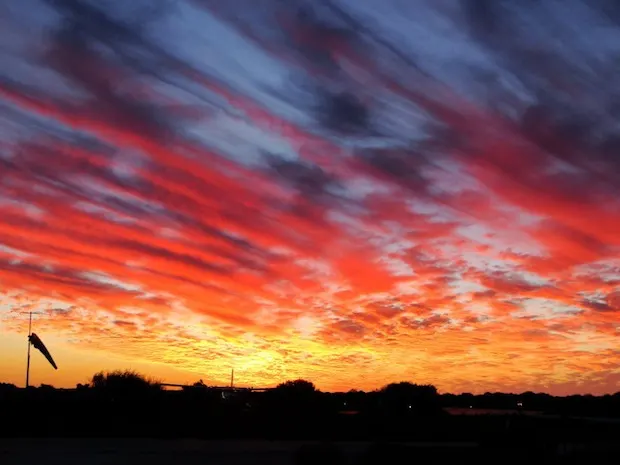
<point>232,378</point>
<point>28,361</point>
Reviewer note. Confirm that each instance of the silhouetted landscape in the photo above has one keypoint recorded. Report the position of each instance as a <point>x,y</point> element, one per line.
<point>352,192</point>
<point>125,404</point>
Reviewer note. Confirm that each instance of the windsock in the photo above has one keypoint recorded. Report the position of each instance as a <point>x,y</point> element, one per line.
<point>38,344</point>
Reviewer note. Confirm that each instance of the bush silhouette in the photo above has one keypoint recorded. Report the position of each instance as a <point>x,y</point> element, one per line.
<point>124,382</point>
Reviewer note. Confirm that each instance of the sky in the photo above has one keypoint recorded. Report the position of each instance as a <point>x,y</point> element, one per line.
<point>350,192</point>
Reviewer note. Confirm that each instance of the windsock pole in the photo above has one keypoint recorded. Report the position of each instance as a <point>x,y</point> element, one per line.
<point>28,360</point>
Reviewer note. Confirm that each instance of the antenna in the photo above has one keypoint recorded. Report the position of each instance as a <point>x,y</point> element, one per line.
<point>28,361</point>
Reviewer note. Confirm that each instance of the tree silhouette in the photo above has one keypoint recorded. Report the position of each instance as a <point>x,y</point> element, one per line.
<point>298,387</point>
<point>127,404</point>
<point>407,397</point>
<point>294,396</point>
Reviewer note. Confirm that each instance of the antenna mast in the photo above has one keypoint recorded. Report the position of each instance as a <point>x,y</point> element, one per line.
<point>28,360</point>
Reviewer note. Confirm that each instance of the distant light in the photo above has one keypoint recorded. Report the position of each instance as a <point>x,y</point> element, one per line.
<point>471,406</point>
<point>345,404</point>
<point>410,406</point>
<point>519,404</point>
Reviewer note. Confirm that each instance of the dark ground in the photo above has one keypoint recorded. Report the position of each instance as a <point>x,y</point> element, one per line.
<point>298,425</point>
<point>69,451</point>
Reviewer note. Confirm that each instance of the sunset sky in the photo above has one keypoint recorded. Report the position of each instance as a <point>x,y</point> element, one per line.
<point>353,192</point>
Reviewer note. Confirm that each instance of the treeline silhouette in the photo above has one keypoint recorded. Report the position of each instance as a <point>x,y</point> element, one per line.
<point>127,404</point>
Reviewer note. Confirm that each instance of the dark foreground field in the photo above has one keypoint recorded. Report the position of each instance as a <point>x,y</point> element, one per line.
<point>295,424</point>
<point>67,451</point>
